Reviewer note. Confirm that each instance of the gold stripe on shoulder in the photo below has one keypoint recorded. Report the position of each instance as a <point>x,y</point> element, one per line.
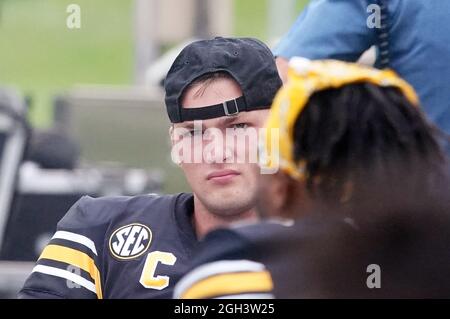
<point>230,284</point>
<point>75,258</point>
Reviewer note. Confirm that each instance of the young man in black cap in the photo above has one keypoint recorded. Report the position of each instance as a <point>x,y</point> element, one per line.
<point>138,247</point>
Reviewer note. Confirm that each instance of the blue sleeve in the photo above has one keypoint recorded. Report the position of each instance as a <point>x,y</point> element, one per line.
<point>329,29</point>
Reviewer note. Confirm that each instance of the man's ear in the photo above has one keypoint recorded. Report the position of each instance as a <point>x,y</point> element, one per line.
<point>279,189</point>
<point>289,198</point>
<point>172,138</point>
<point>282,66</point>
<point>173,141</point>
<point>297,201</point>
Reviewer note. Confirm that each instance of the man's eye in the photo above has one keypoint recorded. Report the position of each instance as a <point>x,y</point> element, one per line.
<point>191,133</point>
<point>240,126</point>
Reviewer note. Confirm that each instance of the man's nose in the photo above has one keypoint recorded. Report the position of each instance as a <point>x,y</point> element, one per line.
<point>218,150</point>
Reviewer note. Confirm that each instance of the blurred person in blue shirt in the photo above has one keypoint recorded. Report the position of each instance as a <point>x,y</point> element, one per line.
<point>416,42</point>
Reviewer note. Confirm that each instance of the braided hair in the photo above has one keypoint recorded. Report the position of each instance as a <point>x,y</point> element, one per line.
<point>361,135</point>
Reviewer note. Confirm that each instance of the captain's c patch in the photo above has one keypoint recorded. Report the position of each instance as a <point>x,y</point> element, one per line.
<point>130,241</point>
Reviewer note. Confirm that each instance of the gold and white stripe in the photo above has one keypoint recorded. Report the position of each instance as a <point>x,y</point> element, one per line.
<point>77,238</point>
<point>53,271</point>
<point>75,258</point>
<point>222,278</point>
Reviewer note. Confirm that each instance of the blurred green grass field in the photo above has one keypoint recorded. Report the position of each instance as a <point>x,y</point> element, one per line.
<point>41,56</point>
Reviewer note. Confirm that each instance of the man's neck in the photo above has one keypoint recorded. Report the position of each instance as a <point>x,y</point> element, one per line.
<point>204,221</point>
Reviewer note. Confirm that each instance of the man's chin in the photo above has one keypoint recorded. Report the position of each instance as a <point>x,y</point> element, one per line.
<point>228,206</point>
<point>225,193</point>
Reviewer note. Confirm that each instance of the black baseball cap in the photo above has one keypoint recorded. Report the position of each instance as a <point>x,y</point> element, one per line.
<point>249,61</point>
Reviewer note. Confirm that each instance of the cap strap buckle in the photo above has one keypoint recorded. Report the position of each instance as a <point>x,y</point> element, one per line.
<point>227,111</point>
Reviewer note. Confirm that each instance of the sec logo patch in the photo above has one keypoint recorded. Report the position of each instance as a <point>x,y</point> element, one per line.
<point>130,241</point>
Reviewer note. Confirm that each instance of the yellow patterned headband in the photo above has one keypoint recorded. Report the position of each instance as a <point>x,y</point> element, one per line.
<point>306,77</point>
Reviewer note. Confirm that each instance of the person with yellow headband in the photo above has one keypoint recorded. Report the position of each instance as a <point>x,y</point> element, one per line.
<point>360,183</point>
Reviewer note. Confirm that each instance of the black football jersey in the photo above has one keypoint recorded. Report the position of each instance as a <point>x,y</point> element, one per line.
<point>116,247</point>
<point>261,260</point>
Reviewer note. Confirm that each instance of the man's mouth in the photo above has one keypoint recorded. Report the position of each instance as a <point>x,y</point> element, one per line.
<point>223,176</point>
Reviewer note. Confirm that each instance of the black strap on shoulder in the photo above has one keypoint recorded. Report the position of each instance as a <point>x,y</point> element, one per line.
<point>383,35</point>
<point>228,108</point>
